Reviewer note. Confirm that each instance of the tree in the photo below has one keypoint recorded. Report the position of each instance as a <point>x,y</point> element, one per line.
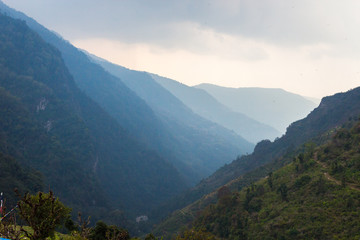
<point>283,191</point>
<point>102,231</point>
<point>43,213</point>
<point>196,235</point>
<point>270,180</point>
<point>79,230</point>
<point>151,236</point>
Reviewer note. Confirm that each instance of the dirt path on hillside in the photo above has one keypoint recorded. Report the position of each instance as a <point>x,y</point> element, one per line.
<point>330,178</point>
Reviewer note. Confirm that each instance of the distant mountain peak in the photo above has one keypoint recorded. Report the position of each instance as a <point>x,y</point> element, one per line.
<point>272,106</point>
<point>202,103</point>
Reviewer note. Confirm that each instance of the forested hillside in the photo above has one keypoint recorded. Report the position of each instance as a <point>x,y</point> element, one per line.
<point>34,109</point>
<point>334,111</point>
<point>193,145</point>
<point>317,196</point>
<point>201,144</point>
<point>51,126</point>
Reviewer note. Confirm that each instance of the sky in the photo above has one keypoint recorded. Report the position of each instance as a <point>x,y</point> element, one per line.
<point>309,47</point>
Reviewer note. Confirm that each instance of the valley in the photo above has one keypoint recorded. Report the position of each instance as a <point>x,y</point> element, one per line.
<point>144,156</point>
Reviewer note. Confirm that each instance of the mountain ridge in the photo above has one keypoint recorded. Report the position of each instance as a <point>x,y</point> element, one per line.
<point>333,112</point>
<point>211,144</point>
<point>83,154</point>
<point>136,117</point>
<point>208,107</point>
<point>273,106</point>
<point>307,198</point>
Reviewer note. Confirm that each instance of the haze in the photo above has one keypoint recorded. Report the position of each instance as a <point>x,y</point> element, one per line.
<point>306,47</point>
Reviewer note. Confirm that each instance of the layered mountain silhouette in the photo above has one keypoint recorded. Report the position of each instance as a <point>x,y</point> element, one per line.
<point>78,149</point>
<point>274,107</point>
<point>332,112</point>
<point>156,131</point>
<point>98,143</point>
<point>317,127</point>
<point>115,143</point>
<point>205,145</point>
<point>202,103</point>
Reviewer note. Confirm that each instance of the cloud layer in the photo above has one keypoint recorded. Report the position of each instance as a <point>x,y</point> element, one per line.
<point>309,47</point>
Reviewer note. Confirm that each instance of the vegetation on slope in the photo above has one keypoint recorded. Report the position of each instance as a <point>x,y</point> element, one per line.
<point>49,125</point>
<point>334,111</point>
<point>171,140</point>
<point>317,196</point>
<point>43,214</point>
<point>13,175</point>
<point>200,145</point>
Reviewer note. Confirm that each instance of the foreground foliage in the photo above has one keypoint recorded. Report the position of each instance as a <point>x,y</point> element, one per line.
<point>43,213</point>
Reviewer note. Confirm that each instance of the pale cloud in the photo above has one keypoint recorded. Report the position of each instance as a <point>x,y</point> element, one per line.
<point>282,22</point>
<point>291,69</point>
<point>308,47</point>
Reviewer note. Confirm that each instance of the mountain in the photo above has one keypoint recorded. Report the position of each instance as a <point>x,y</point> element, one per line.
<point>13,174</point>
<point>274,107</point>
<point>174,141</point>
<point>110,93</point>
<point>202,103</point>
<point>83,154</point>
<point>307,199</point>
<point>317,127</point>
<point>332,112</point>
<point>203,145</point>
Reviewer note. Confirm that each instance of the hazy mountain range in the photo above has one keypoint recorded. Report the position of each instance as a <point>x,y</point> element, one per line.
<point>208,107</point>
<point>274,107</point>
<point>202,142</point>
<point>116,143</point>
<point>317,128</point>
<point>77,148</point>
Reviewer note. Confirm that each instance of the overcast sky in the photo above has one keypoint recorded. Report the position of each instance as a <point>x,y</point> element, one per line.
<point>310,47</point>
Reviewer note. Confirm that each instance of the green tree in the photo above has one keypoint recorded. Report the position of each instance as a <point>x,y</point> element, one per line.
<point>43,213</point>
<point>196,235</point>
<point>283,191</point>
<point>151,236</point>
<point>270,180</point>
<point>104,232</point>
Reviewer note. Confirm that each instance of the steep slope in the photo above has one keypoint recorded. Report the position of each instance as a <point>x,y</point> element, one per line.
<point>30,71</point>
<point>309,198</point>
<point>156,131</point>
<point>332,112</point>
<point>274,107</point>
<point>268,156</point>
<point>109,92</point>
<point>83,153</point>
<point>205,145</point>
<point>13,174</point>
<point>208,107</point>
